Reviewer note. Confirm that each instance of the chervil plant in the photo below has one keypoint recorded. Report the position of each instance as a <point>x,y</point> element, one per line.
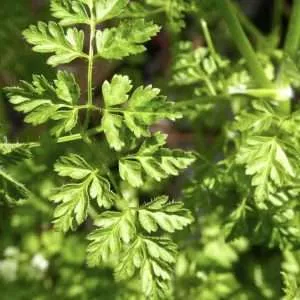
<point>130,236</point>
<point>97,177</point>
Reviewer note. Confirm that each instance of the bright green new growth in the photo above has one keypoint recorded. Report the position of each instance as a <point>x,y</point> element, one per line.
<point>244,120</point>
<point>75,198</point>
<point>174,10</point>
<point>89,188</point>
<point>153,160</point>
<point>120,241</point>
<point>143,108</point>
<point>48,38</point>
<point>42,101</point>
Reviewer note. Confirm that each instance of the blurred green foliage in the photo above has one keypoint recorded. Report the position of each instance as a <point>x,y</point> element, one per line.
<point>244,241</point>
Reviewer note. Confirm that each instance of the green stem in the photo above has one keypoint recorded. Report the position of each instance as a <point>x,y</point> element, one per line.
<point>277,13</point>
<point>293,36</point>
<point>89,107</point>
<point>70,138</point>
<point>248,25</point>
<point>291,46</point>
<point>203,100</point>
<point>90,65</point>
<point>243,44</point>
<point>280,94</point>
<point>292,40</point>
<point>209,41</point>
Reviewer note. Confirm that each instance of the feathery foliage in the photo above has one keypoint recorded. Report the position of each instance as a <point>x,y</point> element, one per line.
<point>109,218</point>
<point>88,186</point>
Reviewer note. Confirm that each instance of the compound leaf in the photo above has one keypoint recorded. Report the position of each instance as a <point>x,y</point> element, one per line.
<point>143,108</point>
<point>154,258</point>
<point>108,9</point>
<point>70,12</point>
<point>11,153</point>
<point>73,166</point>
<point>125,40</point>
<point>42,101</point>
<point>116,92</point>
<point>153,160</point>
<point>269,161</point>
<point>112,125</point>
<point>51,38</point>
<point>116,230</point>
<point>73,207</point>
<point>75,198</point>
<point>168,216</point>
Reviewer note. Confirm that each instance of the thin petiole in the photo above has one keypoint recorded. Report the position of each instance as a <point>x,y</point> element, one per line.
<point>70,138</point>
<point>90,64</point>
<point>208,39</point>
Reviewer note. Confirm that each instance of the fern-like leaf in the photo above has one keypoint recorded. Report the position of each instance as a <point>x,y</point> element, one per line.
<point>154,160</point>
<point>154,258</point>
<point>143,108</point>
<point>269,161</point>
<point>125,40</point>
<point>116,229</point>
<point>70,12</point>
<point>42,101</point>
<point>74,199</point>
<point>160,213</point>
<point>51,38</point>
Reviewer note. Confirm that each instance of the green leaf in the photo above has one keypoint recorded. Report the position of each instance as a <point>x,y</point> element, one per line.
<point>126,39</point>
<point>143,108</point>
<point>199,68</point>
<point>269,161</point>
<point>116,91</point>
<point>116,230</point>
<point>100,190</point>
<point>67,88</point>
<point>260,121</point>
<point>193,66</point>
<point>291,287</point>
<point>168,216</point>
<point>174,11</point>
<point>154,160</point>
<point>131,171</point>
<point>11,189</point>
<point>154,258</point>
<point>73,208</point>
<point>11,153</point>
<point>137,10</point>
<point>112,125</point>
<point>42,101</point>
<point>33,100</point>
<point>75,198</point>
<point>108,9</point>
<point>67,120</point>
<point>73,166</point>
<point>70,12</point>
<point>49,38</point>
